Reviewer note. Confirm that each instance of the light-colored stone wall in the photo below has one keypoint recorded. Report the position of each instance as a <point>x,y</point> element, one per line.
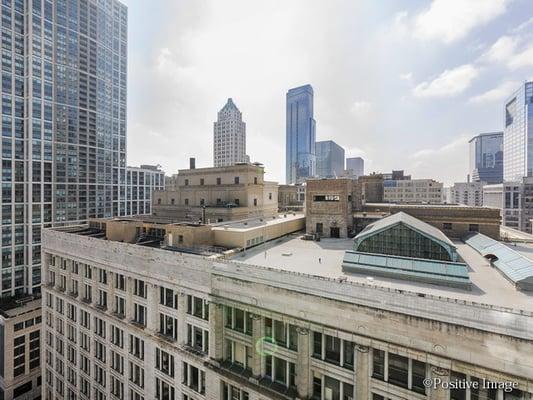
<point>446,334</point>
<point>29,316</point>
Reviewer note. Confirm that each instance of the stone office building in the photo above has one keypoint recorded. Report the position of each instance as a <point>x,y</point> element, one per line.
<point>218,194</point>
<point>125,321</point>
<point>328,207</point>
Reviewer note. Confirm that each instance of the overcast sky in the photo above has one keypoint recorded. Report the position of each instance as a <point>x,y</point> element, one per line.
<point>404,84</point>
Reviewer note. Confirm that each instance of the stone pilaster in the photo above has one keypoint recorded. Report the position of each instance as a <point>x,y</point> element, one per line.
<point>303,371</point>
<point>152,322</point>
<point>216,331</point>
<point>129,299</point>
<point>257,341</point>
<point>439,390</point>
<point>182,316</point>
<point>362,372</point>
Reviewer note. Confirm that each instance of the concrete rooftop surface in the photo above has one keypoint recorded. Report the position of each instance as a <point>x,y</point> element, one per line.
<point>324,258</point>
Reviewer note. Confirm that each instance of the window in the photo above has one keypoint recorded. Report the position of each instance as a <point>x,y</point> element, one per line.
<point>333,350</point>
<point>164,362</point>
<point>137,347</point>
<point>202,181</point>
<point>136,375</point>
<point>139,315</point>
<point>230,392</point>
<point>378,362</point>
<point>168,326</point>
<point>120,282</point>
<point>193,377</point>
<point>473,227</point>
<point>398,370</point>
<point>418,376</point>
<point>198,307</point>
<point>117,336</point>
<point>236,180</point>
<point>219,181</point>
<point>239,320</point>
<point>168,297</point>
<point>139,288</point>
<point>164,390</point>
<point>447,226</point>
<point>197,338</point>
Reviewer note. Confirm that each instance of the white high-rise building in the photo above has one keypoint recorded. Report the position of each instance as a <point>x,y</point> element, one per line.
<point>229,136</point>
<point>467,193</point>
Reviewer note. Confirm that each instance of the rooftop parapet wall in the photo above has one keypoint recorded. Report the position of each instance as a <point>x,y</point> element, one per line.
<point>187,270</point>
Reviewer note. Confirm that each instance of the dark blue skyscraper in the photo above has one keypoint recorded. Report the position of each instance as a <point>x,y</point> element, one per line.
<point>486,157</point>
<point>300,135</point>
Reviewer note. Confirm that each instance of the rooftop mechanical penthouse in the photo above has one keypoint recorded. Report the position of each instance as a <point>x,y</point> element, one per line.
<point>131,321</point>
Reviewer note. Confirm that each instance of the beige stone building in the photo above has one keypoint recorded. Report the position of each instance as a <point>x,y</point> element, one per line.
<point>127,321</point>
<point>291,197</point>
<point>196,237</point>
<point>20,352</point>
<point>425,191</point>
<point>224,193</point>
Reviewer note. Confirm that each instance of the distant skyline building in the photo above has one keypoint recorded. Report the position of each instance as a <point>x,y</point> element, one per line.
<point>355,166</point>
<point>486,158</point>
<point>141,183</point>
<point>300,135</point>
<point>229,134</point>
<point>329,159</point>
<point>518,134</point>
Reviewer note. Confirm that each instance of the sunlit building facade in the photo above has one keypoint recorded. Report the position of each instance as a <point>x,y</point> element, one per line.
<point>518,134</point>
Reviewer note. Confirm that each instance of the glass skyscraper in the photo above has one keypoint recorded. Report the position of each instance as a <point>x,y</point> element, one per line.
<point>63,124</point>
<point>300,135</point>
<point>355,166</point>
<point>329,159</point>
<point>518,134</point>
<point>486,158</point>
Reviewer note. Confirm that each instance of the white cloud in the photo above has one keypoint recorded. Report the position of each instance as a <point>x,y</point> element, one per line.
<point>408,76</point>
<point>523,58</point>
<point>450,20</point>
<point>362,108</point>
<point>502,49</point>
<point>449,83</point>
<point>452,158</point>
<point>499,93</point>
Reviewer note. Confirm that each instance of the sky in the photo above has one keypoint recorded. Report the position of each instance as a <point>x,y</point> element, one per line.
<point>403,84</point>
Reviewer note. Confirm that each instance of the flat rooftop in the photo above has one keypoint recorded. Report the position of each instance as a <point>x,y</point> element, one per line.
<point>253,223</point>
<point>325,258</point>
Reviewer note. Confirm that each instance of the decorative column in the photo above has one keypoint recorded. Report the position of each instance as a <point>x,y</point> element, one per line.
<point>111,293</point>
<point>362,371</point>
<point>182,316</point>
<point>216,331</point>
<point>152,322</point>
<point>257,343</point>
<point>303,377</point>
<point>440,378</point>
<point>129,299</point>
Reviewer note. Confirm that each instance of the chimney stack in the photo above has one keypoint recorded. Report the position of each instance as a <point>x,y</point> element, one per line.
<point>192,163</point>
